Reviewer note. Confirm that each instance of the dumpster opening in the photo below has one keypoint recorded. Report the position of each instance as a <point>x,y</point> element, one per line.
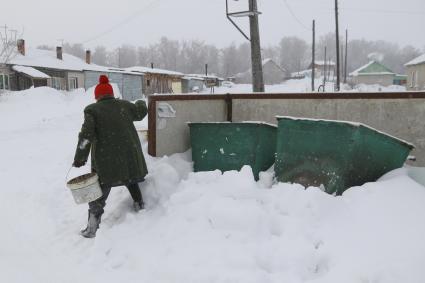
<point>336,154</point>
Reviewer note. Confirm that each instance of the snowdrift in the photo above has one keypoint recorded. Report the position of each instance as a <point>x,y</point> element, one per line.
<point>198,227</point>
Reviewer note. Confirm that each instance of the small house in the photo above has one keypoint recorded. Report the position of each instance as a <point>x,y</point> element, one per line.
<point>272,73</point>
<point>35,67</point>
<point>191,84</point>
<point>323,68</point>
<point>416,73</point>
<point>374,72</point>
<point>158,80</point>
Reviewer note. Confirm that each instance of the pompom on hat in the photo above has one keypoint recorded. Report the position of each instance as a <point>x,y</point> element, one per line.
<point>103,88</point>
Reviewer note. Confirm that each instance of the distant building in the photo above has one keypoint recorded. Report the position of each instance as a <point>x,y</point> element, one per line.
<point>321,68</point>
<point>35,67</point>
<point>375,72</point>
<point>416,73</point>
<point>159,80</point>
<point>272,73</point>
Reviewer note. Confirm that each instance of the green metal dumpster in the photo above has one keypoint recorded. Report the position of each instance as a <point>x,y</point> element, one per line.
<point>229,146</point>
<point>335,154</point>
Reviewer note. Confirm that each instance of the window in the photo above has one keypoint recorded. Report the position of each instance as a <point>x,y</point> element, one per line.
<point>148,83</point>
<point>413,83</point>
<point>56,83</point>
<point>73,83</point>
<point>4,81</point>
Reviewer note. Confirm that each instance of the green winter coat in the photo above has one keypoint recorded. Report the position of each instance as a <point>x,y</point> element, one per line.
<point>108,131</point>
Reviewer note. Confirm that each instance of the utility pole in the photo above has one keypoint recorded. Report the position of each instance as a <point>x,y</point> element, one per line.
<point>346,55</point>
<point>338,74</point>
<point>342,62</point>
<point>313,61</point>
<point>254,38</point>
<point>324,69</point>
<point>257,64</point>
<point>206,69</point>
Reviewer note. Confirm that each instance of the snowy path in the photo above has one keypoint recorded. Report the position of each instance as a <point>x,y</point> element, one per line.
<point>203,227</point>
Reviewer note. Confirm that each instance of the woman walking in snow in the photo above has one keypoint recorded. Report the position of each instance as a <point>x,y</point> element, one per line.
<point>116,153</point>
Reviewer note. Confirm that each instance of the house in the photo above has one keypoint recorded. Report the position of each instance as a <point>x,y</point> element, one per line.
<point>416,73</point>
<point>129,83</point>
<point>272,73</point>
<point>322,68</point>
<point>375,72</point>
<point>192,84</point>
<point>34,68</point>
<point>158,80</point>
<point>199,82</point>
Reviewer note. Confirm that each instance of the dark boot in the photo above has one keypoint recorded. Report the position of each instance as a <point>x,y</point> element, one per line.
<point>92,226</point>
<point>138,206</point>
<point>136,194</point>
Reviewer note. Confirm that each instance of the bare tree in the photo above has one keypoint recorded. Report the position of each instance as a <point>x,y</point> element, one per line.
<point>294,54</point>
<point>8,40</point>
<point>100,55</point>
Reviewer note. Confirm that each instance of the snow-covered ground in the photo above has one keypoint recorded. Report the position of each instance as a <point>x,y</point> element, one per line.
<point>198,227</point>
<point>304,85</point>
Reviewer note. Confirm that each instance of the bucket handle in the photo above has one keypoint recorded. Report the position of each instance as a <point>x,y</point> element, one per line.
<point>67,175</point>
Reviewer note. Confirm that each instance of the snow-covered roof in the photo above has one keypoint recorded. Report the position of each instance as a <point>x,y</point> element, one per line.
<point>31,72</point>
<point>372,68</point>
<point>39,58</point>
<point>203,76</point>
<point>47,59</point>
<point>140,69</point>
<point>417,61</point>
<point>323,63</point>
<point>270,60</point>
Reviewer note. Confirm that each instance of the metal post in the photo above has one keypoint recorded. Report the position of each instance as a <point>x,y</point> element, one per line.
<point>338,81</point>
<point>313,61</point>
<point>346,55</point>
<point>206,69</point>
<point>324,69</point>
<point>257,64</point>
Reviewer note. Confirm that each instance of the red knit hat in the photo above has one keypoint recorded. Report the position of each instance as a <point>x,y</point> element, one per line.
<point>103,88</point>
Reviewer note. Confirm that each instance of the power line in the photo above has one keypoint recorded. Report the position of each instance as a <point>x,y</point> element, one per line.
<point>125,21</point>
<point>294,16</point>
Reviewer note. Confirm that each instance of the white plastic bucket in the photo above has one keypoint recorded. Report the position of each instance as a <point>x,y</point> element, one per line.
<point>85,188</point>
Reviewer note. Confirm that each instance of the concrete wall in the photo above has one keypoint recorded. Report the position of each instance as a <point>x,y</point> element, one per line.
<point>403,118</point>
<point>172,134</point>
<point>384,80</point>
<point>419,83</point>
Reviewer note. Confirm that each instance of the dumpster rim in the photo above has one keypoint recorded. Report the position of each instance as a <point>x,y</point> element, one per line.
<point>355,124</point>
<point>236,123</point>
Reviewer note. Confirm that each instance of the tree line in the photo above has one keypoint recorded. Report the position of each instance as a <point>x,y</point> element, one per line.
<point>292,53</point>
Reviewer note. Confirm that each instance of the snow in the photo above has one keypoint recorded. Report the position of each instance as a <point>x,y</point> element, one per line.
<point>33,73</point>
<point>416,61</point>
<point>139,69</point>
<point>303,86</point>
<point>47,59</point>
<point>197,227</point>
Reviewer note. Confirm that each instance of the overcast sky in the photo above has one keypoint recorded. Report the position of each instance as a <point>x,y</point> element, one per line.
<point>142,22</point>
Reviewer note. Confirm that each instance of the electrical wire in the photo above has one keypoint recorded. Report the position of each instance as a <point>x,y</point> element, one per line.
<point>294,16</point>
<point>125,21</point>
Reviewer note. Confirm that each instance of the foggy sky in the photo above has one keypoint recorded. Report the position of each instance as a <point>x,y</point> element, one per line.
<point>142,22</point>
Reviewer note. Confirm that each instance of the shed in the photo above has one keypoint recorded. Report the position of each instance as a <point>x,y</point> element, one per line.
<point>129,84</point>
<point>373,73</point>
<point>158,80</point>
